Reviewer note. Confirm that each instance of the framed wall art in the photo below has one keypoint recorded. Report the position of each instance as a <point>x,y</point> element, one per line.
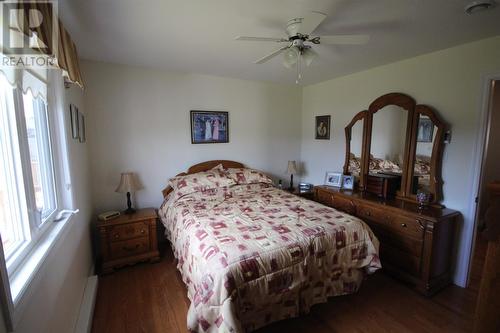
<point>209,127</point>
<point>322,127</point>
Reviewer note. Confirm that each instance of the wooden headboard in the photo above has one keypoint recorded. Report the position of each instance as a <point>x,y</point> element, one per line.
<point>204,166</point>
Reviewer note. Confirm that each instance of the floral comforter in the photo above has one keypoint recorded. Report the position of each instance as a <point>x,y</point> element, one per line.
<point>252,254</point>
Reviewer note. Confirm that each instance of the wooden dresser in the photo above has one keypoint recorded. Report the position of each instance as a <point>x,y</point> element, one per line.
<point>128,239</point>
<point>415,245</point>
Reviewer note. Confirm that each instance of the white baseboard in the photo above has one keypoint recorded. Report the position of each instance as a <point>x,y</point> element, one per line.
<point>84,323</point>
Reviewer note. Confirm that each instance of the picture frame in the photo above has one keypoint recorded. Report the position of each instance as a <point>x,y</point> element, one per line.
<point>81,128</point>
<point>425,131</point>
<point>209,127</point>
<point>333,179</point>
<point>348,182</point>
<point>322,127</point>
<point>73,112</point>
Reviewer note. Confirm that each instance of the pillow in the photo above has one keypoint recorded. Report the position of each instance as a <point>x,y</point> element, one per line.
<point>248,176</point>
<point>200,181</point>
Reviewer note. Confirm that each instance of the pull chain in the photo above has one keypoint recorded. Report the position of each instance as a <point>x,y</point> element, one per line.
<point>299,76</point>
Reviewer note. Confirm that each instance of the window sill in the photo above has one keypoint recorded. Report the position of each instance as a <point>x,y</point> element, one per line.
<point>24,275</point>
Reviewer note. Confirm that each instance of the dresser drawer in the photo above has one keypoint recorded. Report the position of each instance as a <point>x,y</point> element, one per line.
<point>399,259</point>
<point>406,225</point>
<point>129,247</point>
<point>400,224</point>
<point>324,197</point>
<point>129,231</point>
<point>406,244</point>
<point>344,204</point>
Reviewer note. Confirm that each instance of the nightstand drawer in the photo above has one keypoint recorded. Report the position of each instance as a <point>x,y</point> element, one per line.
<point>130,247</point>
<point>129,231</point>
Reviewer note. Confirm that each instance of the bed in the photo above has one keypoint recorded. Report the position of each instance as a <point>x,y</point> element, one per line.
<point>251,254</point>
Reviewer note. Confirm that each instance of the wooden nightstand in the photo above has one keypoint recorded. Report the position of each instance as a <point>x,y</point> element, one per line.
<point>128,239</point>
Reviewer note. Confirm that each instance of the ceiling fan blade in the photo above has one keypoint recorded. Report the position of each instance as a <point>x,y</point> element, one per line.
<point>260,39</point>
<point>271,55</point>
<point>344,39</point>
<point>310,22</point>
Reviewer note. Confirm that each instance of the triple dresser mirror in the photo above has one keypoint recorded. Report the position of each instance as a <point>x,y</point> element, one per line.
<point>399,142</point>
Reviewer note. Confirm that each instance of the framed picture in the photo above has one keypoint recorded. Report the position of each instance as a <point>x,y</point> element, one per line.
<point>81,127</point>
<point>425,130</point>
<point>333,179</point>
<point>322,128</point>
<point>209,127</point>
<point>73,112</point>
<point>348,182</point>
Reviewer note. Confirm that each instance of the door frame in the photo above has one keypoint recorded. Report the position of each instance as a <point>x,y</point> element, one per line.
<point>478,161</point>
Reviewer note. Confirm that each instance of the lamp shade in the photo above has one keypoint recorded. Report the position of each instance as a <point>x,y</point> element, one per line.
<point>128,183</point>
<point>292,168</point>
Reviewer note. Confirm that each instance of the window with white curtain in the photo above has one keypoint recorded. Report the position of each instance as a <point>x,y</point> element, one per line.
<point>28,195</point>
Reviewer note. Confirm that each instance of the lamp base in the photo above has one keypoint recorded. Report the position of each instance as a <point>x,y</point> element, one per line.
<point>129,211</point>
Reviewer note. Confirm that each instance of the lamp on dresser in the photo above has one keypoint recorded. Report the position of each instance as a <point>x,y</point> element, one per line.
<point>128,184</point>
<point>291,170</point>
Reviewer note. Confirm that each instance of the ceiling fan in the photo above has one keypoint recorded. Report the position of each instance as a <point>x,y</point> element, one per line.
<point>300,33</point>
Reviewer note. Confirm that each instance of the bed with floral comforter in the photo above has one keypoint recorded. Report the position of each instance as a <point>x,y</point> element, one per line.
<point>251,254</point>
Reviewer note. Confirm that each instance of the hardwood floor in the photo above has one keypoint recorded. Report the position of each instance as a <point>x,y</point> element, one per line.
<point>152,298</point>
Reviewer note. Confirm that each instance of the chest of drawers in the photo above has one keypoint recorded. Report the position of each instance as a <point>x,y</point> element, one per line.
<point>415,245</point>
<point>128,239</point>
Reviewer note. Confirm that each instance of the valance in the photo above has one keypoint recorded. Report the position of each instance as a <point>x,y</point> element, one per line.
<point>48,36</point>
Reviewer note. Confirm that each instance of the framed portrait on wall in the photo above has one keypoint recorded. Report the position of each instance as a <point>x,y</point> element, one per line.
<point>322,128</point>
<point>73,114</point>
<point>209,127</point>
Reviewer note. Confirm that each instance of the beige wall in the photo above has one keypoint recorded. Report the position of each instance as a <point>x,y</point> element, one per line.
<point>140,122</point>
<point>450,80</point>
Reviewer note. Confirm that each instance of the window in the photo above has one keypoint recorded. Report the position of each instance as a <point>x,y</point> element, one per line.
<point>28,196</point>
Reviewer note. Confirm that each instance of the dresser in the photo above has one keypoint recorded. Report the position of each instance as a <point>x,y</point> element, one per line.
<point>415,244</point>
<point>128,239</point>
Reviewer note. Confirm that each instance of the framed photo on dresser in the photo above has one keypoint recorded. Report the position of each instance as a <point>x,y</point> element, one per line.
<point>333,179</point>
<point>209,127</point>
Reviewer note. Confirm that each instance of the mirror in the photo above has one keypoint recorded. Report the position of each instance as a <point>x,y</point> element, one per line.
<point>388,142</point>
<point>354,146</point>
<point>426,137</point>
<point>395,148</point>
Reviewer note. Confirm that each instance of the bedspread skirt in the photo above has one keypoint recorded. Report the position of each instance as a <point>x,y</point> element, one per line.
<point>256,305</point>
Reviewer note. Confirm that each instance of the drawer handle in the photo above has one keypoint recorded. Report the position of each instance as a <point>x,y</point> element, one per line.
<point>126,248</point>
<point>143,231</point>
<point>117,235</point>
<point>404,225</point>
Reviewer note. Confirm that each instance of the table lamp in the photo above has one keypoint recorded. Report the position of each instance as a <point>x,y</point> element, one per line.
<point>291,169</point>
<point>128,183</point>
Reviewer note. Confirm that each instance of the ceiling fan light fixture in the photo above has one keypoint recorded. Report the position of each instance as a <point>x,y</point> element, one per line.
<point>308,55</point>
<point>479,6</point>
<point>290,57</point>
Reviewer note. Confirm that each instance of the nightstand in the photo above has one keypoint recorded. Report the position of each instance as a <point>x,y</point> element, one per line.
<point>128,239</point>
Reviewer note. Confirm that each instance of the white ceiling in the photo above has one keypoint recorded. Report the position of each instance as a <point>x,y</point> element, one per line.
<point>198,35</point>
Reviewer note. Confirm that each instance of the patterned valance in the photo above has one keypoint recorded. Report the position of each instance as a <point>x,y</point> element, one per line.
<point>39,22</point>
